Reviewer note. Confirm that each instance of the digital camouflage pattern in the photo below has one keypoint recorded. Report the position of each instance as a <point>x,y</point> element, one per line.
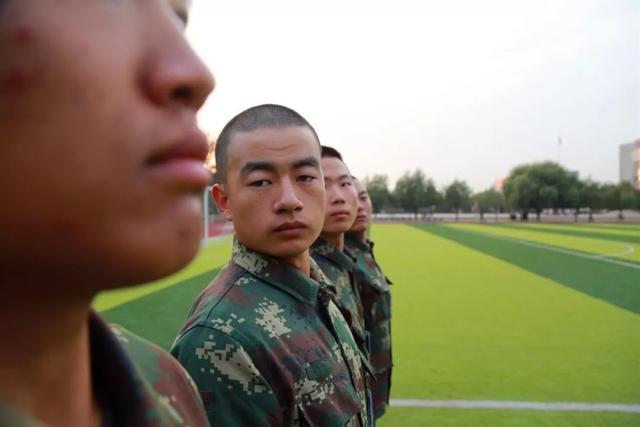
<point>375,294</point>
<point>267,346</point>
<point>339,268</point>
<point>137,384</point>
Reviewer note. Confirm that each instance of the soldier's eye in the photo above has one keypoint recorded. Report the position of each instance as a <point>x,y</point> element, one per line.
<point>306,178</point>
<point>181,10</point>
<point>259,183</point>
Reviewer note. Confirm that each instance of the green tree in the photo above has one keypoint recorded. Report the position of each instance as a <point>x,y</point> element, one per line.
<point>619,197</point>
<point>378,188</point>
<point>539,186</point>
<point>489,200</point>
<point>414,191</point>
<point>591,196</point>
<point>457,196</point>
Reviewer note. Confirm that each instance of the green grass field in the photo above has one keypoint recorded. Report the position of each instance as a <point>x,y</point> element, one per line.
<point>528,313</point>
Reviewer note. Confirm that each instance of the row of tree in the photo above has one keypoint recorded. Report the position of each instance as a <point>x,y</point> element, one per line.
<point>529,188</point>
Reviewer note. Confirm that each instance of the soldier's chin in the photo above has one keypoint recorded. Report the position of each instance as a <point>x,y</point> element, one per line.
<point>291,250</point>
<point>358,227</point>
<point>334,228</point>
<point>342,228</point>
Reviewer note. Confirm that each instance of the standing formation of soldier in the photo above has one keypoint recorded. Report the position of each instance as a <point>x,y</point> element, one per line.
<point>375,296</point>
<point>281,337</point>
<point>293,332</point>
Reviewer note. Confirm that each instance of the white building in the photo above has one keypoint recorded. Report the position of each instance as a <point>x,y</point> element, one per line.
<point>630,163</point>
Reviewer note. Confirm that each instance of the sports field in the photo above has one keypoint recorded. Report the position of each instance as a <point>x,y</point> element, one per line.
<point>509,325</point>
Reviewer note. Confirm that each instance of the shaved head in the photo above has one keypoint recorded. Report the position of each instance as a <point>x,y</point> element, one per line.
<point>266,116</point>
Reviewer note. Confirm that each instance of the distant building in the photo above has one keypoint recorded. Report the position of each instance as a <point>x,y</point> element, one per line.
<point>498,184</point>
<point>210,162</point>
<point>630,163</point>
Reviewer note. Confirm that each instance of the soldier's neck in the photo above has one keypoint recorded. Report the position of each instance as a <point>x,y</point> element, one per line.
<point>359,235</point>
<point>45,362</point>
<point>301,262</point>
<point>336,239</point>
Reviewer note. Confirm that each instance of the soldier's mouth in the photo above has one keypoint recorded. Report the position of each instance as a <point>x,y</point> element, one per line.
<point>290,227</point>
<point>340,214</point>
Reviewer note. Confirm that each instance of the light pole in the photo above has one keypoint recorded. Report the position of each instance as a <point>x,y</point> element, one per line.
<point>205,211</point>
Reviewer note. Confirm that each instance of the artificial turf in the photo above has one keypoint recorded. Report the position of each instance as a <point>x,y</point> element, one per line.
<point>584,232</point>
<point>212,255</point>
<point>555,236</point>
<point>478,316</point>
<point>161,314</point>
<point>410,417</point>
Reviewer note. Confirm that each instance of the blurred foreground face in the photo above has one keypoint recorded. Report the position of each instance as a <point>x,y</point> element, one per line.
<point>365,209</point>
<point>274,192</point>
<point>341,203</point>
<point>101,159</point>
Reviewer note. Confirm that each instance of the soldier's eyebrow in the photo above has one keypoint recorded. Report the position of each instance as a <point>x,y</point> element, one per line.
<point>250,167</point>
<point>340,178</point>
<point>306,162</point>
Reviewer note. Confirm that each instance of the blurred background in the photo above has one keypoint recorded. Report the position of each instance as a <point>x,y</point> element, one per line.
<point>500,141</point>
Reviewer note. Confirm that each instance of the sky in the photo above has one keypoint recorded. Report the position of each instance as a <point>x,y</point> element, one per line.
<point>459,89</point>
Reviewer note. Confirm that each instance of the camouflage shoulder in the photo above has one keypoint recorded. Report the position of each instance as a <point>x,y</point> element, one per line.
<point>209,299</point>
<point>253,319</point>
<point>166,380</point>
<point>232,388</point>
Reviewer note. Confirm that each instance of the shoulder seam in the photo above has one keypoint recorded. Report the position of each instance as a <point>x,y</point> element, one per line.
<point>234,278</point>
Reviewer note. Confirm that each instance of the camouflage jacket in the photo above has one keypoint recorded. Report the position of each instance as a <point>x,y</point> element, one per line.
<point>267,346</point>
<point>375,294</point>
<point>137,384</point>
<point>339,267</point>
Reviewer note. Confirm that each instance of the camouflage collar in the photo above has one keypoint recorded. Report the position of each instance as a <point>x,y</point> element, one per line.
<point>115,378</point>
<point>331,252</point>
<point>282,275</point>
<point>351,241</point>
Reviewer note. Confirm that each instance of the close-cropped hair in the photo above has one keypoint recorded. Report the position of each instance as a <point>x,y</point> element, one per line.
<point>266,116</point>
<point>331,152</point>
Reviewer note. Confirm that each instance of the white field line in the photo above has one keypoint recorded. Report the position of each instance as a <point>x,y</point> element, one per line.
<point>514,405</point>
<point>600,257</point>
<point>630,249</point>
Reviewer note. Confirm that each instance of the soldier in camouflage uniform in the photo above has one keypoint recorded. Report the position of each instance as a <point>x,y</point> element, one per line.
<point>328,250</point>
<point>136,383</point>
<point>376,300</point>
<point>339,267</point>
<point>106,95</point>
<point>264,342</point>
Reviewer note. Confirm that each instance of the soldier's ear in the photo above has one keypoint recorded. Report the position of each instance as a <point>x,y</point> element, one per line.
<point>222,201</point>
